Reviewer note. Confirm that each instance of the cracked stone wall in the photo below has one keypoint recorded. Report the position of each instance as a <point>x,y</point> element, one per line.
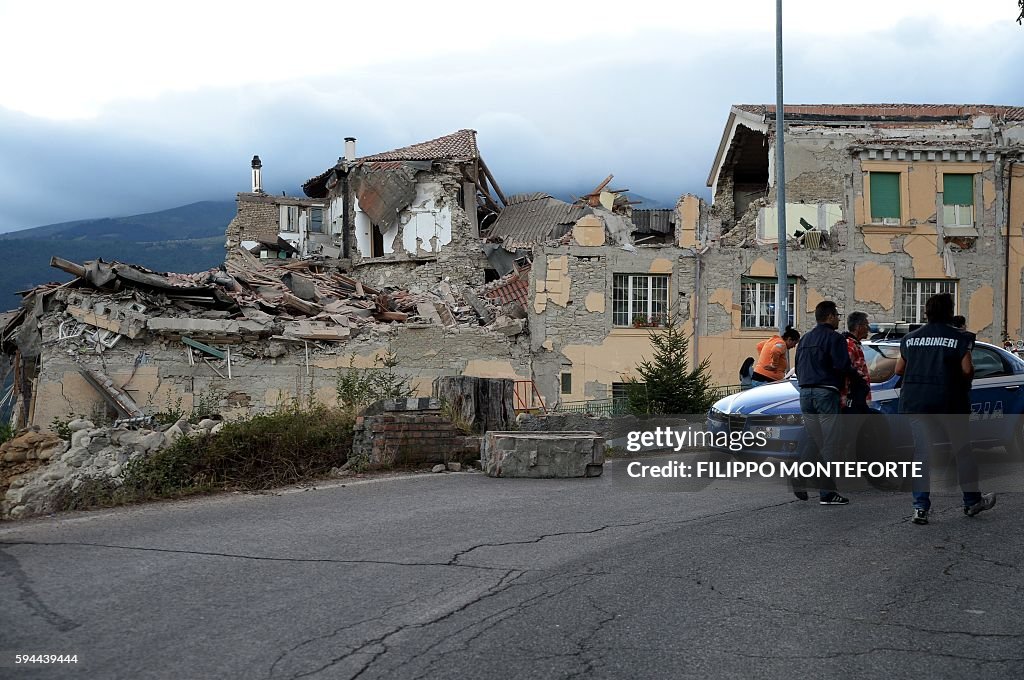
<point>461,259</point>
<point>571,326</point>
<point>819,275</point>
<point>266,374</point>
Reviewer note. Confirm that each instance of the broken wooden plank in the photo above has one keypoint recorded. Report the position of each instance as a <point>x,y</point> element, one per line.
<point>113,395</point>
<point>67,265</point>
<point>307,308</point>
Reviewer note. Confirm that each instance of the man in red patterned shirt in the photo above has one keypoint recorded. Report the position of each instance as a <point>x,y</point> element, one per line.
<point>856,393</point>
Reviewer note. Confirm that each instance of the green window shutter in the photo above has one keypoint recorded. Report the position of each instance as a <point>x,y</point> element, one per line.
<point>885,194</point>
<point>957,189</point>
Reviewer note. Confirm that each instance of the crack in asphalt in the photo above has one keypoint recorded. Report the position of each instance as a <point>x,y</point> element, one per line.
<point>387,611</point>
<point>242,556</point>
<point>10,567</point>
<point>875,650</point>
<point>583,532</point>
<point>584,646</point>
<point>504,582</point>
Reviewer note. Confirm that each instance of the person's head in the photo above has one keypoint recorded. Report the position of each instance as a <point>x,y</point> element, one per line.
<point>826,312</point>
<point>939,308</point>
<point>960,321</point>
<point>857,324</point>
<point>791,336</point>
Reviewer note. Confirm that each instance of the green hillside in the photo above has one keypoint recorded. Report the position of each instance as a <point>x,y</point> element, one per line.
<point>27,261</point>
<point>188,238</point>
<point>195,220</point>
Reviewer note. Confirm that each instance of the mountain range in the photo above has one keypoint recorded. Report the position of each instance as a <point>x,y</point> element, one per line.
<point>188,238</point>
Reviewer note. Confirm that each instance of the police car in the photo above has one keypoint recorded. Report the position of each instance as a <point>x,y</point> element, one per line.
<point>997,402</point>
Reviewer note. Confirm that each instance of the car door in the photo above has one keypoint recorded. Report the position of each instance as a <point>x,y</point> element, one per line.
<point>996,394</point>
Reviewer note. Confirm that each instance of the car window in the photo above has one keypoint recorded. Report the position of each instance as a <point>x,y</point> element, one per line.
<point>987,363</point>
<point>881,361</point>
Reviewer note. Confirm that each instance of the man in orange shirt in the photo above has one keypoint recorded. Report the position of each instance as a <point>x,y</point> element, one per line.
<point>771,364</point>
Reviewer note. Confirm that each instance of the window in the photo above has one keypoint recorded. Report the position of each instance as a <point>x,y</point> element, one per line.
<point>316,220</point>
<point>958,200</point>
<point>639,296</point>
<point>916,293</point>
<point>987,363</point>
<point>757,301</point>
<point>885,197</point>
<point>289,218</point>
<point>567,383</point>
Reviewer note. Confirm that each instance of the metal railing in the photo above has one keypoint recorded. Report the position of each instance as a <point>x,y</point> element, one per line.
<point>620,406</point>
<point>597,407</point>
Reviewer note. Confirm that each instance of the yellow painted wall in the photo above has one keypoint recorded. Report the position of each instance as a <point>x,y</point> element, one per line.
<point>1016,242</point>
<point>688,210</point>
<point>980,311</point>
<point>589,231</point>
<point>926,261</point>
<point>879,243</point>
<point>874,282</point>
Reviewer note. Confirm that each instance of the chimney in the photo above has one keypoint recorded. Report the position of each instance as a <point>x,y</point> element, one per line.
<point>257,179</point>
<point>350,149</point>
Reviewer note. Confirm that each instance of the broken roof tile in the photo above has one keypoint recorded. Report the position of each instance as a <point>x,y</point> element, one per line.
<point>882,112</point>
<point>530,219</point>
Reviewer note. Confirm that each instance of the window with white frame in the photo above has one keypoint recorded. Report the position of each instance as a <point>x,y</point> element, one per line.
<point>289,218</point>
<point>957,200</point>
<point>639,298</point>
<point>757,302</point>
<point>916,293</point>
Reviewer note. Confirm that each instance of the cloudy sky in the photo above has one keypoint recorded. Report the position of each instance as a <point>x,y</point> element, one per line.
<point>115,108</point>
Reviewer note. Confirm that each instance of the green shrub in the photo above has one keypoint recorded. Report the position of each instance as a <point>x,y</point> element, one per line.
<point>357,388</point>
<point>260,452</point>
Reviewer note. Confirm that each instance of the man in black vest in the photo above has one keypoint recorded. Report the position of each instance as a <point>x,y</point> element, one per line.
<point>935,362</point>
<point>822,367</point>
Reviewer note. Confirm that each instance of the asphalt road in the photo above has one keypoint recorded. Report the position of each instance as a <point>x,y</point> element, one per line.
<point>463,576</point>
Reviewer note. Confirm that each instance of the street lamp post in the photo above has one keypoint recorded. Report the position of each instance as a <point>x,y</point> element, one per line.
<point>781,266</point>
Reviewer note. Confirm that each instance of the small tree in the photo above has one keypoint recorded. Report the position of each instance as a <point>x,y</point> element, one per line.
<point>666,384</point>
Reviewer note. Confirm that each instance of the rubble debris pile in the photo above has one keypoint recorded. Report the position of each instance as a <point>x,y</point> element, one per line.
<point>93,453</point>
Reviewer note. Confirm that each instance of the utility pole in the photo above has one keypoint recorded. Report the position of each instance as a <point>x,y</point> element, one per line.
<point>781,266</point>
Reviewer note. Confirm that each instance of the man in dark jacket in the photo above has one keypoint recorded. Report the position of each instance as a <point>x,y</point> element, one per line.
<point>822,367</point>
<point>937,369</point>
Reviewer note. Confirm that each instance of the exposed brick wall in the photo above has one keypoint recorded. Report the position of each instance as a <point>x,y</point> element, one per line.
<point>257,218</point>
<point>412,438</point>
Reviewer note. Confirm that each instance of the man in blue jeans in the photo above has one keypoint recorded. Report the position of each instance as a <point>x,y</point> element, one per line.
<point>935,362</point>
<point>822,367</point>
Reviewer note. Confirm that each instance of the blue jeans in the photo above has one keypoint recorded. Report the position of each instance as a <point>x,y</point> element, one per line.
<point>927,429</point>
<point>820,408</point>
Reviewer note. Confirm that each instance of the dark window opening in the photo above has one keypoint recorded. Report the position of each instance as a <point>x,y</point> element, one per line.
<point>749,168</point>
<point>377,237</point>
<point>567,383</point>
<point>491,275</point>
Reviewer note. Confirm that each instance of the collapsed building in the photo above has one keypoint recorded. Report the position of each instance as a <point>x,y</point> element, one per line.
<point>417,254</point>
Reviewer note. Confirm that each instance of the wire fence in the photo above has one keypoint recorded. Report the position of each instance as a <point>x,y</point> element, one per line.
<point>620,406</point>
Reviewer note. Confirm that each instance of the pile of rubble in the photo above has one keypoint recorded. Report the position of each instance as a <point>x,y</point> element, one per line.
<point>92,453</point>
<point>249,299</point>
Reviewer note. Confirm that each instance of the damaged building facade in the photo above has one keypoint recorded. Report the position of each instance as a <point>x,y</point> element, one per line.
<point>885,206</point>
<point>417,254</point>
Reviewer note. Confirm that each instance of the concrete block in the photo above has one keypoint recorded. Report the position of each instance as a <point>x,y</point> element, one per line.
<point>543,454</point>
